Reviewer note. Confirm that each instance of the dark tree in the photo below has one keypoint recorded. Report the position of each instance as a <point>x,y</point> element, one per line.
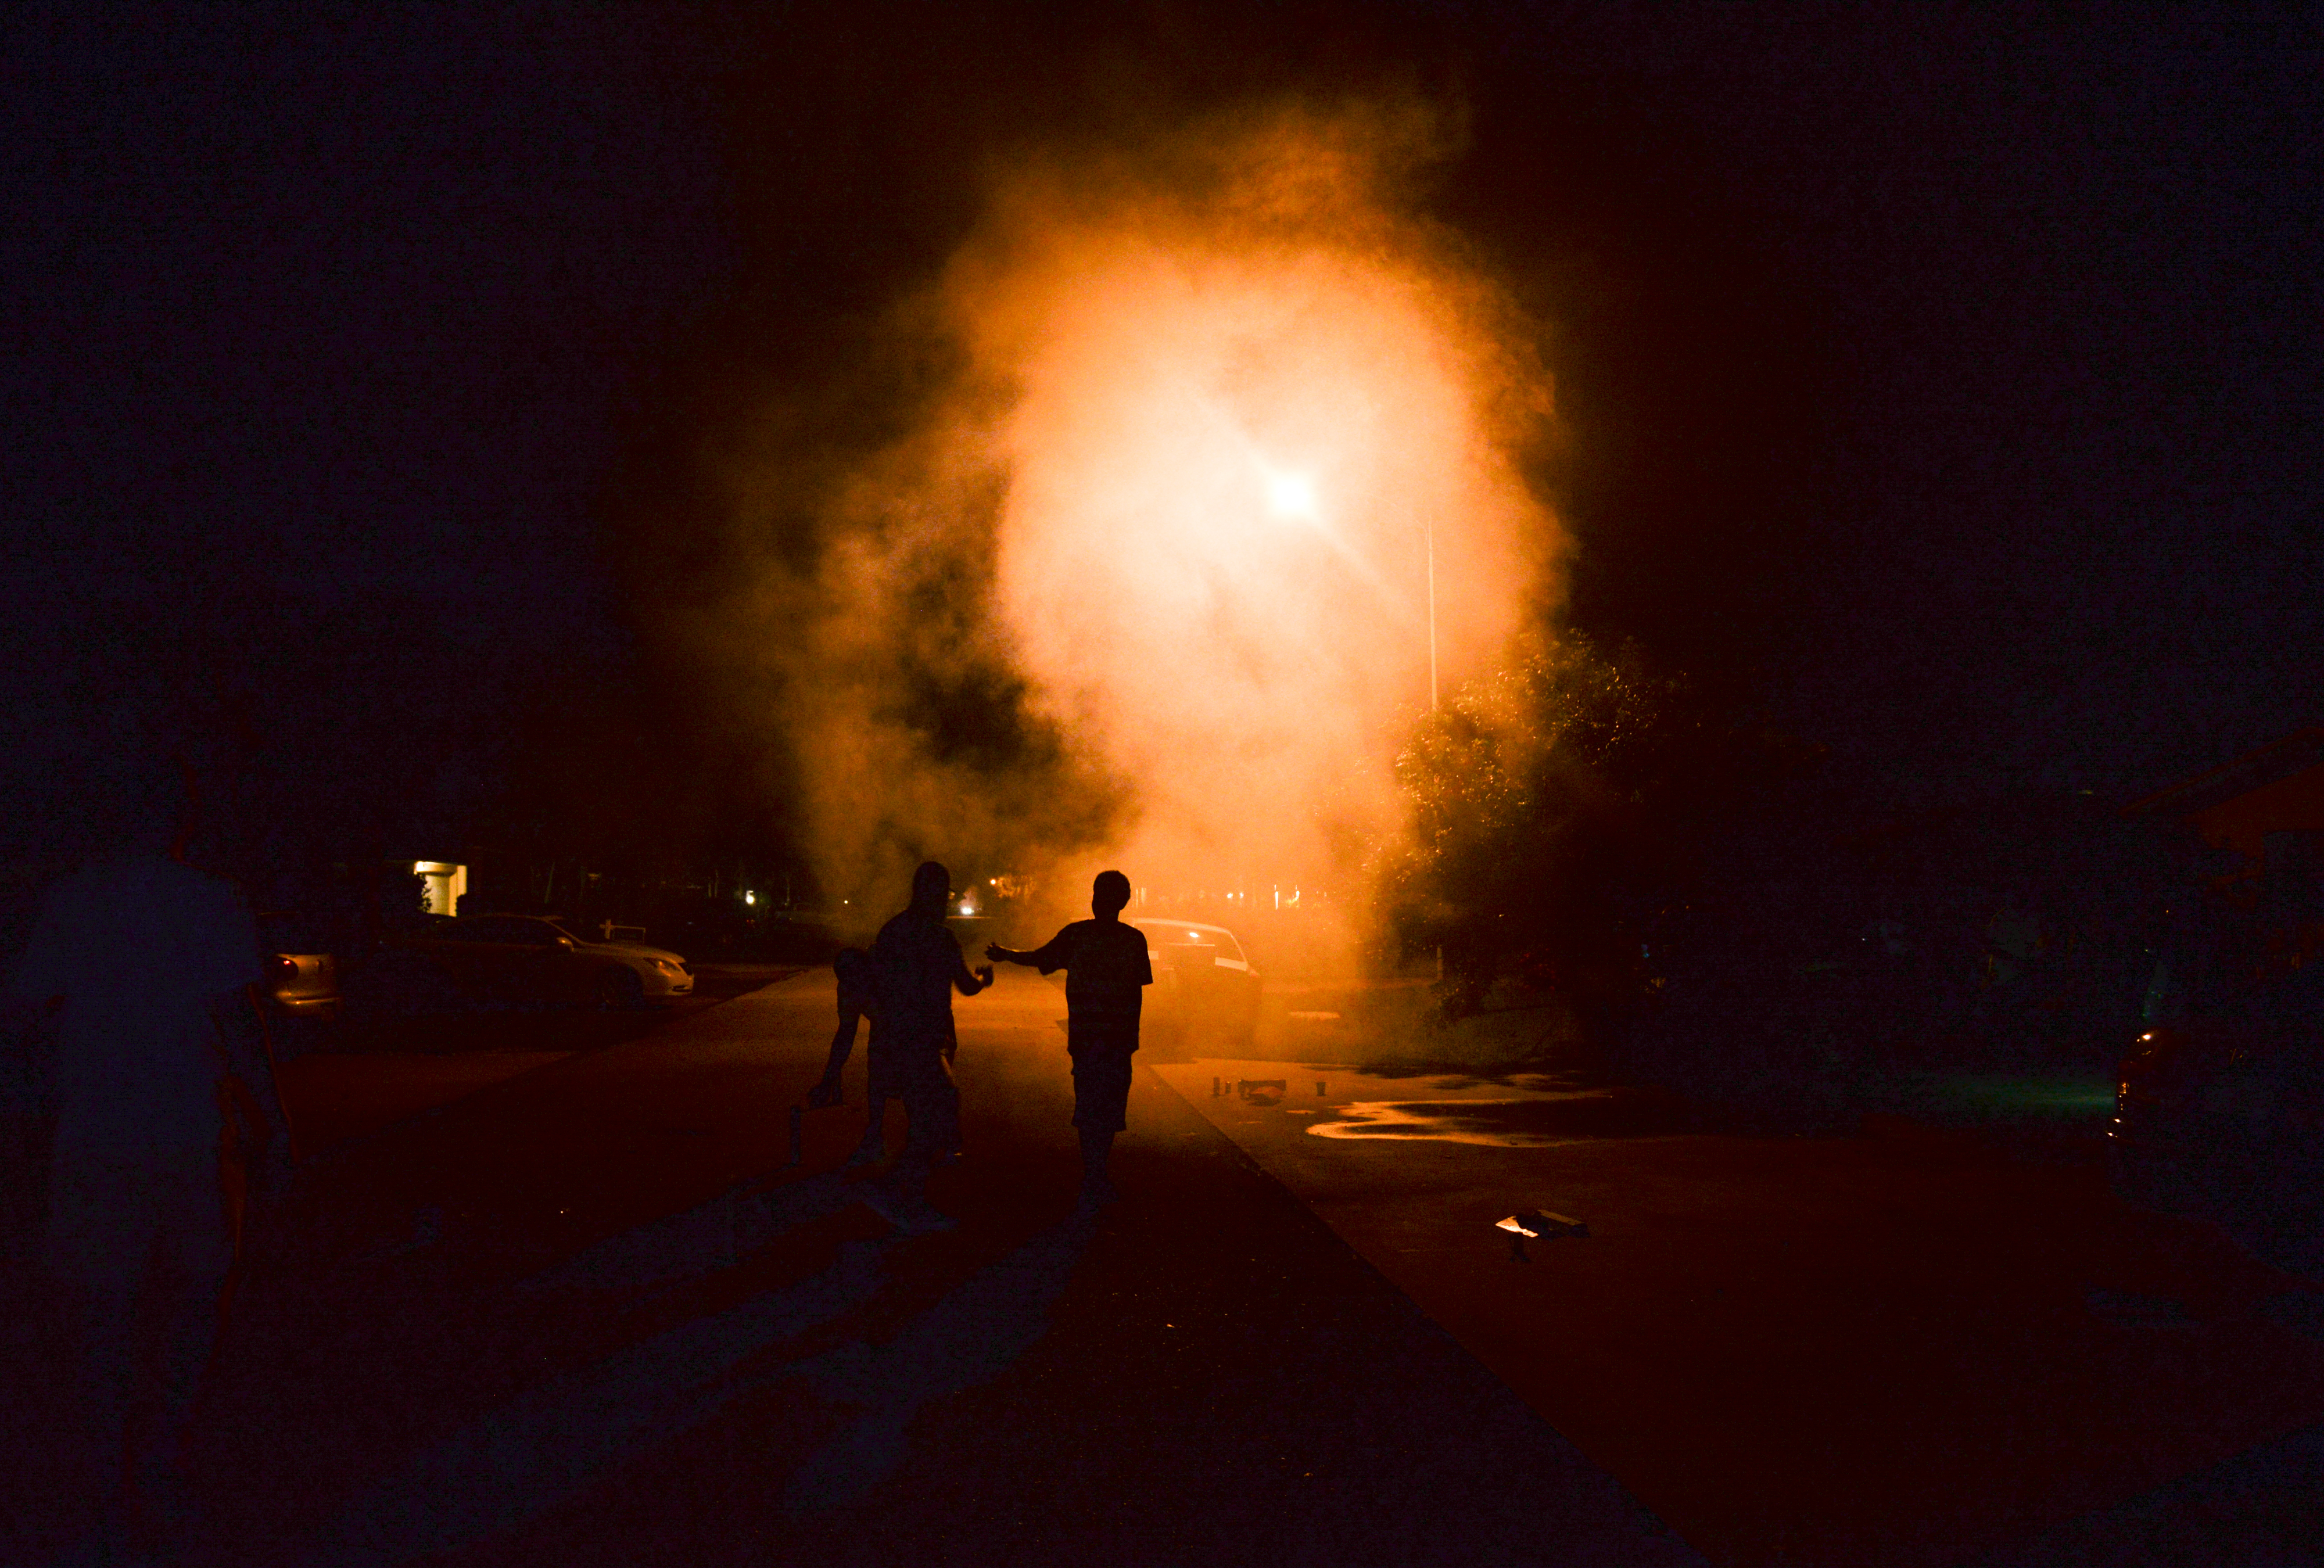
<point>1541,822</point>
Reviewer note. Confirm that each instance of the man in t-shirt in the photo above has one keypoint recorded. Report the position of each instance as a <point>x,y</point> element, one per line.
<point>1107,965</point>
<point>135,959</point>
<point>917,966</point>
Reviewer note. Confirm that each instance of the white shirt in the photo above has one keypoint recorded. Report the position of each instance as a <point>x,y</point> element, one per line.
<point>139,947</point>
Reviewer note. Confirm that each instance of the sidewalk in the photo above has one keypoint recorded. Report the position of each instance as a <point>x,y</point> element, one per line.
<point>614,1352</point>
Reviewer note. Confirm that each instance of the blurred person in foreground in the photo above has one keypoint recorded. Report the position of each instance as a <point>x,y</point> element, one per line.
<point>138,965</point>
<point>1107,966</point>
<point>917,966</point>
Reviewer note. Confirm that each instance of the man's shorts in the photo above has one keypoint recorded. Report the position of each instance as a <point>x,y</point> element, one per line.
<point>1102,1048</point>
<point>931,1100</point>
<point>110,1206</point>
<point>1100,1091</point>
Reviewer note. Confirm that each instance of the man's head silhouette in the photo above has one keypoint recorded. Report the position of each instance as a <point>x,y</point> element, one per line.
<point>931,888</point>
<point>1109,895</point>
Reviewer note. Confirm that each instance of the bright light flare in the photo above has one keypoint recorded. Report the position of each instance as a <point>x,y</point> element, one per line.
<point>1181,398</point>
<point>1291,495</point>
<point>1166,358</point>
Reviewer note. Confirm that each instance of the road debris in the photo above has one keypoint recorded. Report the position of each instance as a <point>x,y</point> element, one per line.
<point>1538,1225</point>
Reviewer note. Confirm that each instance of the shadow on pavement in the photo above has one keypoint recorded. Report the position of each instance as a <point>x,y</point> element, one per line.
<point>969,1337</point>
<point>526,1456</point>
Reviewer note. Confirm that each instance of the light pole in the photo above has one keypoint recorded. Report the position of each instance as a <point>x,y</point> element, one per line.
<point>1429,528</point>
<point>1428,533</point>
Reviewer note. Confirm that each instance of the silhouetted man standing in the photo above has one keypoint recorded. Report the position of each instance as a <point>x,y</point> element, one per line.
<point>917,966</point>
<point>1107,965</point>
<point>134,958</point>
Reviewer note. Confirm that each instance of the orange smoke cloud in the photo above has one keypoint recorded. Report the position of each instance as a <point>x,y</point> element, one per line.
<point>1213,402</point>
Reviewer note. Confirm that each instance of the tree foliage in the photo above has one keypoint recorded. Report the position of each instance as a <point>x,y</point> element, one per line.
<point>1716,910</point>
<point>1547,815</point>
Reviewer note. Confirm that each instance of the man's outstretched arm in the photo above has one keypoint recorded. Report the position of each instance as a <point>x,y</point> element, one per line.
<point>1044,958</point>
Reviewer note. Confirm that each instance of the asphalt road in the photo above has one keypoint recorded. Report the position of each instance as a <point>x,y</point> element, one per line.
<point>589,1313</point>
<point>345,1079</point>
<point>590,1316</point>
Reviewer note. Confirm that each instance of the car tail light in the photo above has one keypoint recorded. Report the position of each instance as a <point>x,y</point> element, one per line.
<point>283,970</point>
<point>2154,1050</point>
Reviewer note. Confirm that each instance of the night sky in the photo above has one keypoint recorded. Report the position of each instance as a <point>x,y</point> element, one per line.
<point>1947,377</point>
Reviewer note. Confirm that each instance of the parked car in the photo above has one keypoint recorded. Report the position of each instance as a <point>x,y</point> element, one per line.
<point>2219,1108</point>
<point>534,960</point>
<point>304,984</point>
<point>302,978</point>
<point>1206,991</point>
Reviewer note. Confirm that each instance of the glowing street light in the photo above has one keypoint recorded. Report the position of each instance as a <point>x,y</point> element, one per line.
<point>1291,495</point>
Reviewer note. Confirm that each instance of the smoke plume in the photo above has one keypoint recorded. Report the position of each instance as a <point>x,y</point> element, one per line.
<point>1144,577</point>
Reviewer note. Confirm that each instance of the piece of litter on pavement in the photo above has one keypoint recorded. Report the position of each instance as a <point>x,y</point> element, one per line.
<point>1540,1226</point>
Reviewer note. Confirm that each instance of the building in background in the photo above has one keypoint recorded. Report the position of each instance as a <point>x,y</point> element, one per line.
<point>2266,806</point>
<point>446,885</point>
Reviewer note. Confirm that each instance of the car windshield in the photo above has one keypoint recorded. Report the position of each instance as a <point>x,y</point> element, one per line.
<point>285,932</point>
<point>518,931</point>
<point>1221,942</point>
<point>566,932</point>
